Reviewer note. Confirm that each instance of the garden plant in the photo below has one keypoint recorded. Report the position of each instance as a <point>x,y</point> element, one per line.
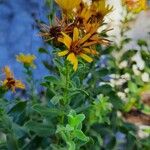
<point>92,97</point>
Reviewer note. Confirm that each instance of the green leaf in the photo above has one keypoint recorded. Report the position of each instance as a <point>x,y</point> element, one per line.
<point>75,120</point>
<point>52,79</point>
<point>18,108</point>
<point>71,145</point>
<point>105,89</point>
<point>40,129</point>
<point>80,135</point>
<point>126,40</point>
<point>142,43</point>
<point>128,54</point>
<point>55,100</point>
<point>129,105</point>
<point>132,87</point>
<point>103,72</point>
<point>18,130</point>
<point>17,111</point>
<point>11,142</point>
<point>3,146</point>
<point>46,111</point>
<point>43,51</point>
<point>69,128</point>
<point>145,55</point>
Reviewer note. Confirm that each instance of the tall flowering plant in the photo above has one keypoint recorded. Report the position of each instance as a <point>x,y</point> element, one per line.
<point>85,101</point>
<point>75,32</point>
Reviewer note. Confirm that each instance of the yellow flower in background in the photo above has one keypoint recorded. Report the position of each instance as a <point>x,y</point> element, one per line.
<point>83,13</point>
<point>100,10</point>
<point>93,13</point>
<point>76,47</point>
<point>68,5</point>
<point>135,5</point>
<point>26,59</point>
<point>10,82</point>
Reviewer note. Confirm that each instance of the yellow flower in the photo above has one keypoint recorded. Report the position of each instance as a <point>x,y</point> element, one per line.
<point>135,5</point>
<point>91,14</point>
<point>10,82</point>
<point>68,5</point>
<point>26,59</point>
<point>83,13</point>
<point>76,47</point>
<point>100,10</point>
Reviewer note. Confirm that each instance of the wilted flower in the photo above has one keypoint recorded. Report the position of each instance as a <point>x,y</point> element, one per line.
<point>26,59</point>
<point>10,82</point>
<point>52,33</point>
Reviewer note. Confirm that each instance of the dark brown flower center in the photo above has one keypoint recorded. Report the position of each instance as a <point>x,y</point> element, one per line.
<point>98,17</point>
<point>10,82</point>
<point>55,32</point>
<point>76,49</point>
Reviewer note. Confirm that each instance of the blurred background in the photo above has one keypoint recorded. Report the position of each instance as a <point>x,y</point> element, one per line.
<point>19,32</point>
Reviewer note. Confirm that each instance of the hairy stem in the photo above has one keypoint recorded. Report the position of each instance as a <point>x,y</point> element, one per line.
<point>66,84</point>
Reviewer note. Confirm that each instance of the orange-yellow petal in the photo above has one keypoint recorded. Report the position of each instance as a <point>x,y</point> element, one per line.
<point>66,40</point>
<point>19,84</point>
<point>86,57</point>
<point>75,34</point>
<point>74,61</point>
<point>68,4</point>
<point>8,72</point>
<point>85,38</point>
<point>61,40</point>
<point>63,53</point>
<point>90,51</point>
<point>86,44</point>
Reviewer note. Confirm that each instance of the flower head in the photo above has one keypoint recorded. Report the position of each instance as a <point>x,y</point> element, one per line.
<point>77,47</point>
<point>135,5</point>
<point>93,13</point>
<point>52,33</point>
<point>10,82</point>
<point>100,9</point>
<point>68,5</point>
<point>26,59</point>
<point>77,29</point>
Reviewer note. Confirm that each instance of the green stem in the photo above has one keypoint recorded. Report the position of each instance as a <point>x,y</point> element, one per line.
<point>66,84</point>
<point>30,80</point>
